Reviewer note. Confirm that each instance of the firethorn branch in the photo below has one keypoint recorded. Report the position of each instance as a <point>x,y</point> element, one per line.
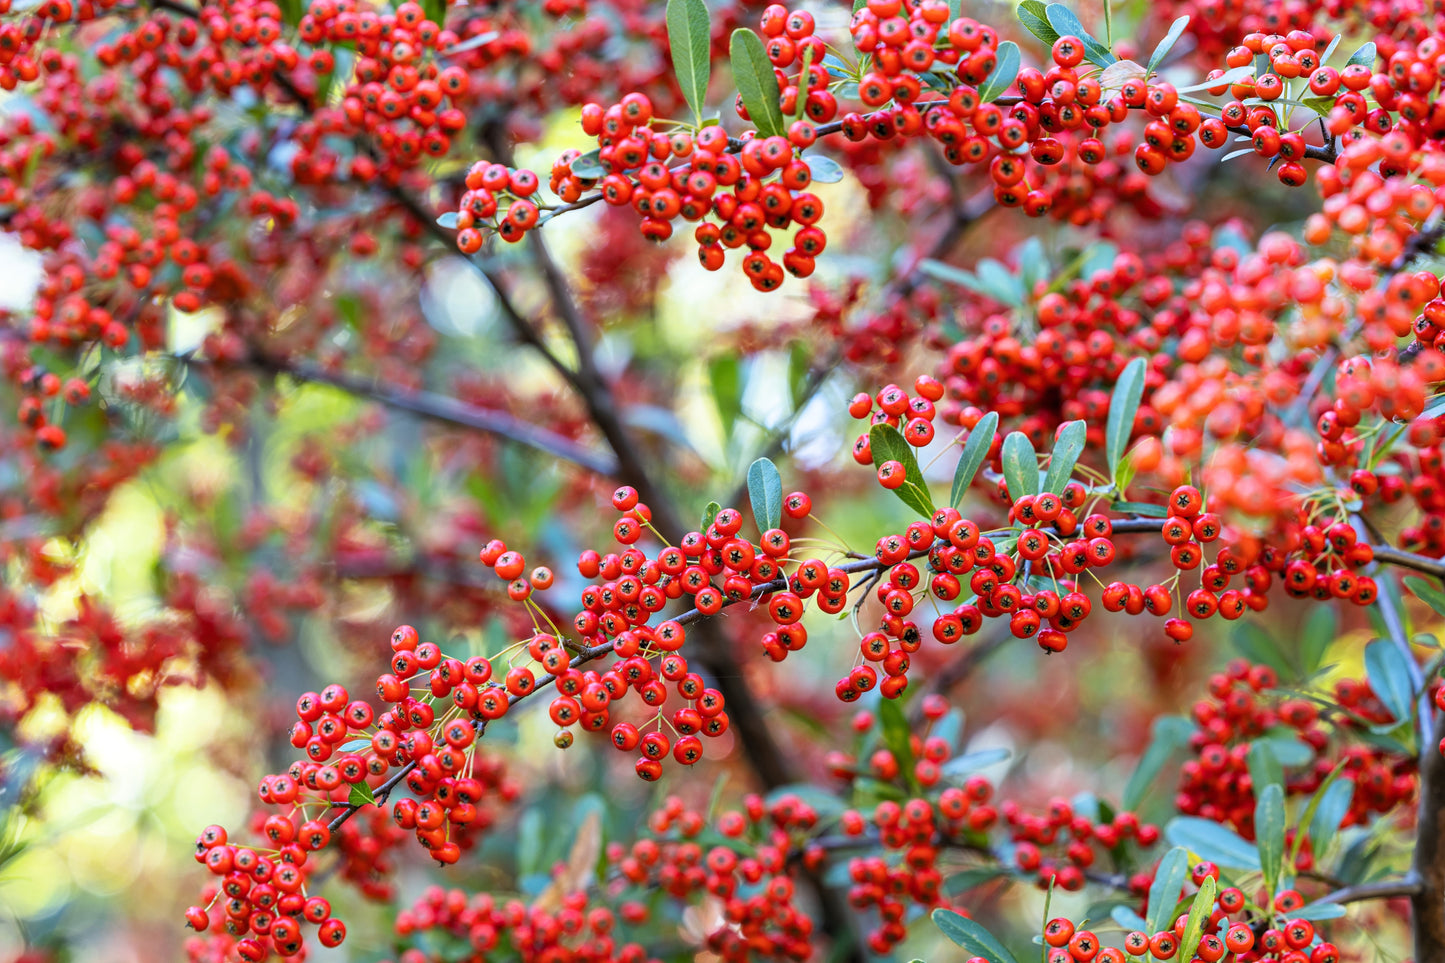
<point>1428,870</point>
<point>437,407</point>
<point>1388,889</point>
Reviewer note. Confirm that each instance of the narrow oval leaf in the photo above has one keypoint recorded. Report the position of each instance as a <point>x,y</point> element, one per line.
<point>1020,465</point>
<point>753,75</point>
<point>824,803</point>
<point>1169,735</point>
<point>1318,910</point>
<point>1067,449</point>
<point>971,762</point>
<point>1062,19</point>
<point>1389,674</point>
<point>975,450</point>
<point>1425,592</point>
<point>1123,406</point>
<point>689,38</point>
<point>1333,805</point>
<point>825,170</point>
<point>1209,840</point>
<point>1320,629</point>
<point>1127,918</point>
<point>765,490</point>
<point>1033,17</point>
<point>448,220</point>
<point>1199,912</point>
<point>971,936</point>
<point>1264,766</point>
<point>1234,75</point>
<point>1005,72</point>
<point>1176,30</point>
<point>960,883</point>
<point>1145,509</point>
<point>888,445</point>
<point>1113,77</point>
<point>708,514</point>
<point>896,733</point>
<point>589,165</point>
<point>1164,892</point>
<point>361,794</point>
<point>1269,833</point>
<point>1365,56</point>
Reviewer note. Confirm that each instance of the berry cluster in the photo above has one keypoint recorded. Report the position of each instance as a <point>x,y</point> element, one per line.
<point>263,900</point>
<point>1240,708</point>
<point>1236,929</point>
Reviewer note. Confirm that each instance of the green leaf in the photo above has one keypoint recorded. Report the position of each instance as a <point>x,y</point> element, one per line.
<point>1211,841</point>
<point>824,803</point>
<point>1146,509</point>
<point>1033,15</point>
<point>889,445</point>
<point>968,934</point>
<point>1123,406</point>
<point>1127,918</point>
<point>1329,811</point>
<point>1033,263</point>
<point>1169,735</point>
<point>1388,671</point>
<point>689,38</point>
<point>708,514</point>
<point>765,491</point>
<point>1365,55</point>
<point>949,729</point>
<point>361,794</point>
<point>971,762</point>
<point>290,12</point>
<point>1264,767</point>
<point>1320,105</point>
<point>355,745</point>
<point>1176,30</point>
<point>435,11</point>
<point>530,829</point>
<point>1062,19</point>
<point>1005,72</point>
<point>825,170</point>
<point>1001,284</point>
<point>1067,449</point>
<point>448,220</point>
<point>753,75</point>
<point>960,883</point>
<point>1288,749</point>
<point>1020,465</point>
<point>1269,833</point>
<point>725,375</point>
<point>1320,629</point>
<point>1164,891</point>
<point>1427,593</point>
<point>589,165</point>
<point>975,451</point>
<point>1199,911</point>
<point>1318,910</point>
<point>1258,646</point>
<point>896,733</point>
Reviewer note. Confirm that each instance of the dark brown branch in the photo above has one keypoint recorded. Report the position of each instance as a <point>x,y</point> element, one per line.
<point>440,408</point>
<point>1389,889</point>
<point>1427,904</point>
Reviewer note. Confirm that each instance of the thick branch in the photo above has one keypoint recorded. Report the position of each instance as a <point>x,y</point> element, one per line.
<point>440,408</point>
<point>1388,889</point>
